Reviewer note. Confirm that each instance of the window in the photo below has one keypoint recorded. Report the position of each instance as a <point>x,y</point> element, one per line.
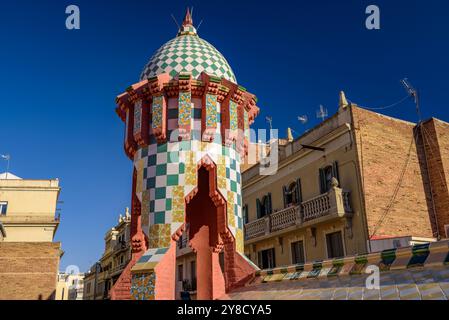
<point>292,194</point>
<point>88,287</point>
<point>193,271</point>
<point>334,245</point>
<point>180,273</point>
<point>326,175</point>
<point>264,206</point>
<point>266,259</point>
<point>245,214</point>
<point>3,207</point>
<point>298,252</point>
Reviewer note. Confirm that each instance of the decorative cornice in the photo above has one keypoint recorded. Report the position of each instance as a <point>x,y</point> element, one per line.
<point>161,85</point>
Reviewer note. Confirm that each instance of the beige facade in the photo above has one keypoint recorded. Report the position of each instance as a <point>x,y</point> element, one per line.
<point>28,209</point>
<point>185,269</point>
<point>102,275</point>
<point>354,179</point>
<point>70,286</point>
<point>29,259</point>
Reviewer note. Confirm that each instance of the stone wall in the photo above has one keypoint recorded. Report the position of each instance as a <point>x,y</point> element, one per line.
<point>28,271</point>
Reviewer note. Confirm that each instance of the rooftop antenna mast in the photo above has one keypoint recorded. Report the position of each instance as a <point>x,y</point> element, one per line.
<point>6,157</point>
<point>321,113</point>
<point>303,119</point>
<point>269,119</point>
<point>174,19</point>
<point>412,93</point>
<point>199,25</point>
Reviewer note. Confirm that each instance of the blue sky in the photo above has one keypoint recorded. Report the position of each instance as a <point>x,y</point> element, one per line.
<point>58,86</point>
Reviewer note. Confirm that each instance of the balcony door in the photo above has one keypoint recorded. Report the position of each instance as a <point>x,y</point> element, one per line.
<point>266,259</point>
<point>298,252</point>
<point>334,243</point>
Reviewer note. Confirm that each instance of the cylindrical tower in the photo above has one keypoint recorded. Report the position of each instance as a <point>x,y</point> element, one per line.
<point>187,131</point>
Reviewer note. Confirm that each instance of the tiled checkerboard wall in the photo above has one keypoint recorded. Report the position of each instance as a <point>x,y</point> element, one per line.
<point>167,172</point>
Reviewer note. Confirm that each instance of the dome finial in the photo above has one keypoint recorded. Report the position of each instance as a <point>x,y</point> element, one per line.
<point>187,19</point>
<point>187,27</point>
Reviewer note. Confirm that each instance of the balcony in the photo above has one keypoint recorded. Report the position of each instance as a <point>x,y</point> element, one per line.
<point>189,285</point>
<point>182,242</point>
<point>118,268</point>
<point>333,204</point>
<point>120,245</point>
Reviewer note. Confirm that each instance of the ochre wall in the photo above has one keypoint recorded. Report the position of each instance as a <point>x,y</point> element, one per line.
<point>28,271</point>
<point>383,145</point>
<point>30,197</point>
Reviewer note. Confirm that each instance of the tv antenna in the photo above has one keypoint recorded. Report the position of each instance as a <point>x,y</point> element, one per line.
<point>321,113</point>
<point>199,25</point>
<point>303,119</point>
<point>412,92</point>
<point>176,22</point>
<point>270,121</point>
<point>6,157</point>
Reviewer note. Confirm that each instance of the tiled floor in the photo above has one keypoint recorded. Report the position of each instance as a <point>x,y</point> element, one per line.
<point>408,284</point>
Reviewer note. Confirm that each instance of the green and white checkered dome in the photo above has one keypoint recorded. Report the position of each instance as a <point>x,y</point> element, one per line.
<point>188,53</point>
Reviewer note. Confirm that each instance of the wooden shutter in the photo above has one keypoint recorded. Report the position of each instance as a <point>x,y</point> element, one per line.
<point>272,258</point>
<point>322,181</point>
<point>284,192</point>
<point>259,213</point>
<point>259,259</point>
<point>298,191</point>
<point>269,208</point>
<point>245,214</point>
<point>335,170</point>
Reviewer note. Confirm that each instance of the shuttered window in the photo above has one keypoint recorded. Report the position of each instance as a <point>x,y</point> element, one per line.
<point>264,206</point>
<point>334,243</point>
<point>245,214</point>
<point>297,252</point>
<point>266,259</point>
<point>326,174</point>
<point>259,209</point>
<point>292,193</point>
<point>269,207</point>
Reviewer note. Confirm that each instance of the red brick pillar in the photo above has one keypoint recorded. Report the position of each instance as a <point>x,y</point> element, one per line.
<point>210,279</point>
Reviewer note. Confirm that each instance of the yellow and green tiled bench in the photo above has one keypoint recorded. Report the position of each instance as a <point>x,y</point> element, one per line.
<point>420,255</point>
<point>420,272</point>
